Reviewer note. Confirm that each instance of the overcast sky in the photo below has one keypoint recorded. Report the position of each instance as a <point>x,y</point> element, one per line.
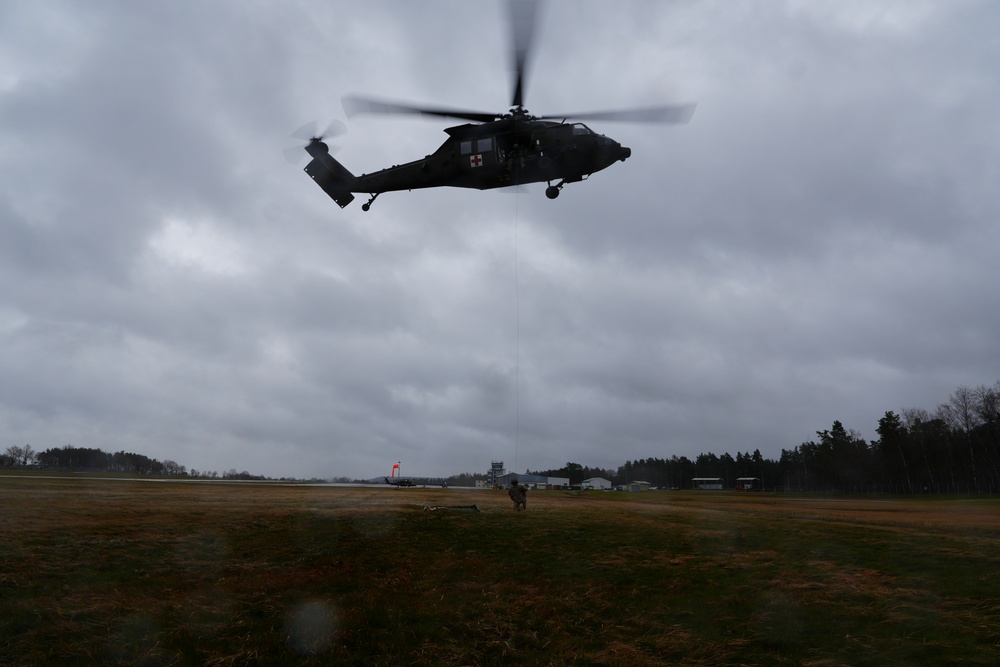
<point>820,243</point>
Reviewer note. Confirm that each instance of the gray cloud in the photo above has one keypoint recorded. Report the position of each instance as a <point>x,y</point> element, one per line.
<point>818,243</point>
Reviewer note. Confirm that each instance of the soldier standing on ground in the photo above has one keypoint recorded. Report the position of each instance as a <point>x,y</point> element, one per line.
<point>519,495</point>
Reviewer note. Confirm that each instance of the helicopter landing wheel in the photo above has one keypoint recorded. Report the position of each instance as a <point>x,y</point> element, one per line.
<point>368,204</point>
<point>553,190</point>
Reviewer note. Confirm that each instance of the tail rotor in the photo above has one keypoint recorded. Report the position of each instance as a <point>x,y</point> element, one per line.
<point>308,135</point>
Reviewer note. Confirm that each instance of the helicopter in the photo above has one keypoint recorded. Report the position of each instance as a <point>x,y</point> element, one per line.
<point>396,480</point>
<point>494,150</point>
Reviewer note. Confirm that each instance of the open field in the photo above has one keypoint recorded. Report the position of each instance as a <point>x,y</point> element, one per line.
<point>126,572</point>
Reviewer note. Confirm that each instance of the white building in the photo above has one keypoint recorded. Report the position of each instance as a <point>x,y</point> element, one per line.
<point>558,483</point>
<point>533,481</point>
<point>595,483</point>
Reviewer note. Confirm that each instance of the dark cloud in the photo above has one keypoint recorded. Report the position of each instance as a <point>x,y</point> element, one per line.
<point>817,244</point>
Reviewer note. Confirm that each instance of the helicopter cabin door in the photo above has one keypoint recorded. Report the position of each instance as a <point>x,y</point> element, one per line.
<point>477,153</point>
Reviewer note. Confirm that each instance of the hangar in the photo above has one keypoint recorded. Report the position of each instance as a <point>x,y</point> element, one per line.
<point>533,481</point>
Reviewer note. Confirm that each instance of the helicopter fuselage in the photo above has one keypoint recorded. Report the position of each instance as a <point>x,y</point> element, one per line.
<point>505,152</point>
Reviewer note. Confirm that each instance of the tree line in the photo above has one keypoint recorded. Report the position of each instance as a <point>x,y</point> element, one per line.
<point>954,449</point>
<point>88,459</point>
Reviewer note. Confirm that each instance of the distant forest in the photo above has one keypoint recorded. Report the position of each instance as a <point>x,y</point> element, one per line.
<point>955,449</point>
<point>87,459</point>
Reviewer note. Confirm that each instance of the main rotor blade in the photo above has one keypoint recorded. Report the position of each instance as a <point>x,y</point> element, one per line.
<point>670,113</point>
<point>358,105</point>
<point>522,25</point>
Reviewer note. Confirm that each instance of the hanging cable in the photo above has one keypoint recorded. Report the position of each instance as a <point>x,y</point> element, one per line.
<point>517,333</point>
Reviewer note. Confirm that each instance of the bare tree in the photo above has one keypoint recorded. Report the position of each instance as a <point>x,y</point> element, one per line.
<point>12,455</point>
<point>987,402</point>
<point>988,410</point>
<point>173,468</point>
<point>21,456</point>
<point>960,410</point>
<point>960,414</point>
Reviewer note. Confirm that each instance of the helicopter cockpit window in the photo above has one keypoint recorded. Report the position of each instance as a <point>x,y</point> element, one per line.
<point>481,145</point>
<point>580,128</point>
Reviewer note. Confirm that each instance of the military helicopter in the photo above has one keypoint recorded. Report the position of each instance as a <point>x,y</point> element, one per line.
<point>495,150</point>
<point>396,480</point>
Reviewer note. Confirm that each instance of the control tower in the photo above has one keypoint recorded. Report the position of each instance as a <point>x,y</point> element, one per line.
<point>495,472</point>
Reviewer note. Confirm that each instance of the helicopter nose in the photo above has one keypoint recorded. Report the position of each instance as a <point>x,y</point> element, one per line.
<point>625,153</point>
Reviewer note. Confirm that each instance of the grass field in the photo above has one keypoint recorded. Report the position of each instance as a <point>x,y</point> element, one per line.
<point>202,573</point>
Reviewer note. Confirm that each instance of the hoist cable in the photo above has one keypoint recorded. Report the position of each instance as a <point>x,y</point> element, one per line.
<point>517,333</point>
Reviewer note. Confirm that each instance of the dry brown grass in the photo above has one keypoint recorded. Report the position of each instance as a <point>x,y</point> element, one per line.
<point>120,572</point>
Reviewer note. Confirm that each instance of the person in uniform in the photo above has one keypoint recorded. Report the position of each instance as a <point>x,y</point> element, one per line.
<point>519,495</point>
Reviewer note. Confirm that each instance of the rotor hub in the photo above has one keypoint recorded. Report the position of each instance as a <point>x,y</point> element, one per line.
<point>317,147</point>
